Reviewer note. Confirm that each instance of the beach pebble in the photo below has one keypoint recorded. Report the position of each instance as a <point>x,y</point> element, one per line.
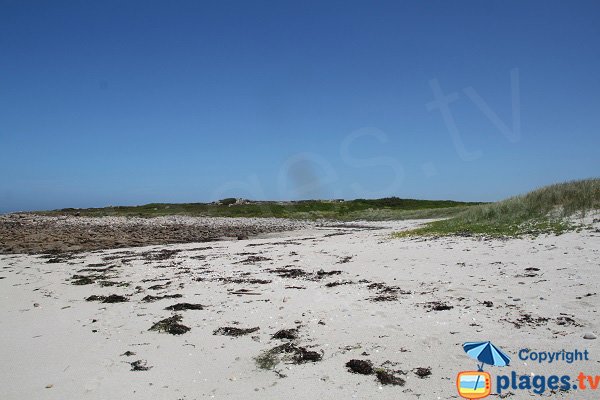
<point>590,336</point>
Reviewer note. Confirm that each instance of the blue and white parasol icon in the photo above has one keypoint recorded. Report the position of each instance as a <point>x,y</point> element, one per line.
<point>486,353</point>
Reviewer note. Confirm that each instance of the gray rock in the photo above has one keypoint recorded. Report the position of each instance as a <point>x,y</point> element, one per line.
<point>589,336</point>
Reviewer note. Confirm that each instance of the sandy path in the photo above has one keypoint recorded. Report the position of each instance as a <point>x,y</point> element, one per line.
<point>57,345</point>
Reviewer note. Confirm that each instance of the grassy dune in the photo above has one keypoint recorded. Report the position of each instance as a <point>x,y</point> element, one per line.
<point>391,208</point>
<point>543,210</point>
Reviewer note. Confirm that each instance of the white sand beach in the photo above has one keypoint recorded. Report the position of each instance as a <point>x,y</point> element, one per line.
<point>344,292</point>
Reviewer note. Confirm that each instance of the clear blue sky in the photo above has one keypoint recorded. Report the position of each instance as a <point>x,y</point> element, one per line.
<point>131,102</point>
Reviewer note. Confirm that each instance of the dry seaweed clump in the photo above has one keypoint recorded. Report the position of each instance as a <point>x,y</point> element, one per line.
<point>81,280</point>
<point>422,372</point>
<point>438,306</point>
<point>95,297</point>
<point>150,298</point>
<point>139,365</point>
<point>381,298</point>
<point>384,376</point>
<point>339,283</point>
<point>321,273</point>
<point>113,298</point>
<point>526,319</point>
<point>290,334</point>
<point>170,325</point>
<point>252,259</point>
<point>185,306</point>
<point>364,367</point>
<point>385,292</point>
<point>286,272</point>
<point>232,331</point>
<point>287,352</point>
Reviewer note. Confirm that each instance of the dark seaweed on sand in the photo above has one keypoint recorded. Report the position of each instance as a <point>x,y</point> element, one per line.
<point>438,306</point>
<point>160,286</point>
<point>56,260</point>
<point>385,292</point>
<point>364,367</point>
<point>185,306</point>
<point>113,298</point>
<point>285,272</point>
<point>113,283</point>
<point>81,280</point>
<point>303,355</point>
<point>422,372</point>
<point>150,298</point>
<point>386,377</point>
<point>338,283</point>
<point>253,259</point>
<point>170,325</point>
<point>139,365</point>
<point>290,334</point>
<point>388,297</point>
<point>382,288</point>
<point>232,331</point>
<point>321,273</point>
<point>286,352</point>
<point>96,268</point>
<point>528,319</point>
<point>250,281</point>
<point>565,320</point>
<point>159,255</point>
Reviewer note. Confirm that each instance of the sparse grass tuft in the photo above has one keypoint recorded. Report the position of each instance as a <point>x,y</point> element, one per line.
<point>545,210</point>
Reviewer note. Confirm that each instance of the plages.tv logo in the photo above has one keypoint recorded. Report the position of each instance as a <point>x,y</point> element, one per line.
<point>478,384</point>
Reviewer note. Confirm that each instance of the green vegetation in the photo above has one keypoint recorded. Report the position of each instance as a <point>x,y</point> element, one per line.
<point>545,210</point>
<point>391,208</point>
<point>228,201</point>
